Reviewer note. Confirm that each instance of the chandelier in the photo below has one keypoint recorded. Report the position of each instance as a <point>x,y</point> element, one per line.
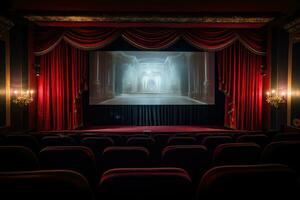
<point>22,98</point>
<point>274,98</point>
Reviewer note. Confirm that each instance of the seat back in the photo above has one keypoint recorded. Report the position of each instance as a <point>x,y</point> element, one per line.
<point>248,182</point>
<point>46,185</point>
<point>17,158</point>
<point>77,158</point>
<point>236,153</point>
<point>97,144</point>
<point>145,183</point>
<point>117,157</point>
<point>286,137</point>
<point>211,142</point>
<point>193,158</point>
<point>283,152</point>
<point>181,140</point>
<point>57,140</point>
<point>23,140</point>
<point>260,139</point>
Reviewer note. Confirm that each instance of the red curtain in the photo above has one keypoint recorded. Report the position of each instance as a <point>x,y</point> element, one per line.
<point>150,39</point>
<point>241,82</point>
<point>63,69</point>
<point>60,84</point>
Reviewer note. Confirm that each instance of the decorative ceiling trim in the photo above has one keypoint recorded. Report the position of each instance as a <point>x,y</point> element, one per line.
<point>293,25</point>
<point>5,25</point>
<point>150,19</point>
<point>293,28</point>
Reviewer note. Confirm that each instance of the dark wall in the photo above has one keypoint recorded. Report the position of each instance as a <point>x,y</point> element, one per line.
<point>154,114</point>
<point>19,71</point>
<point>2,84</point>
<point>279,69</point>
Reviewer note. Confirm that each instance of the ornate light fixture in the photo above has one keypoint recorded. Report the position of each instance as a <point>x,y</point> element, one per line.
<point>274,98</point>
<point>22,98</point>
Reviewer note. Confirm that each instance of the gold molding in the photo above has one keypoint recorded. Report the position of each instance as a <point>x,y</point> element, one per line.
<point>293,28</point>
<point>289,81</point>
<point>149,19</point>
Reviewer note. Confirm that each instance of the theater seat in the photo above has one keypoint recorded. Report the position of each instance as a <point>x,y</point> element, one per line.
<point>193,158</point>
<point>57,140</point>
<point>77,158</point>
<point>286,137</point>
<point>181,140</point>
<point>97,144</point>
<point>284,152</point>
<point>17,158</point>
<point>147,142</point>
<point>44,185</point>
<point>23,140</point>
<point>117,157</point>
<point>211,142</point>
<point>260,139</point>
<point>236,153</point>
<point>248,182</point>
<point>145,184</point>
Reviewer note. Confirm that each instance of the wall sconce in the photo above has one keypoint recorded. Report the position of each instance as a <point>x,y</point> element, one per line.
<point>274,98</point>
<point>22,98</point>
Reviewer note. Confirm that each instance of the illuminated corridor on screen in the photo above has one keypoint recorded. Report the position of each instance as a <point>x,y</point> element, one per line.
<point>151,78</point>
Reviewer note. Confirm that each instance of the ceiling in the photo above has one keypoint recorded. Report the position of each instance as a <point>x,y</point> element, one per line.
<point>135,13</point>
<point>285,7</point>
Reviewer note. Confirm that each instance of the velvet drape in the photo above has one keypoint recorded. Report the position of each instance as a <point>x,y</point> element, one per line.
<point>62,79</point>
<point>242,83</point>
<point>64,65</point>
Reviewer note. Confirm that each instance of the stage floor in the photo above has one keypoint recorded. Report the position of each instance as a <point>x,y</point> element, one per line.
<point>177,129</point>
<point>151,99</point>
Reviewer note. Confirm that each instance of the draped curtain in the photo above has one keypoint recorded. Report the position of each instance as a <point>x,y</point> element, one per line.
<point>241,82</point>
<point>240,54</point>
<point>62,79</point>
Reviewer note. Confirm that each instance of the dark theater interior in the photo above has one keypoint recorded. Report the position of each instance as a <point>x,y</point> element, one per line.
<point>149,99</point>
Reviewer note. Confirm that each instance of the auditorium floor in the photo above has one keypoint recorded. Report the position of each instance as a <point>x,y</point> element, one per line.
<point>150,99</point>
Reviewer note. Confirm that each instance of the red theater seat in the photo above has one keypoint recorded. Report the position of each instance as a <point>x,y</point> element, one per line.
<point>17,158</point>
<point>182,140</point>
<point>211,142</point>
<point>193,158</point>
<point>145,184</point>
<point>260,139</point>
<point>77,158</point>
<point>236,153</point>
<point>284,152</point>
<point>116,157</point>
<point>147,142</point>
<point>44,185</point>
<point>161,139</point>
<point>97,144</point>
<point>23,140</point>
<point>286,137</point>
<point>57,140</point>
<point>248,182</point>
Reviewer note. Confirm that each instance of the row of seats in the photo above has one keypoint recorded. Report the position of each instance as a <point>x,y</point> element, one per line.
<point>157,141</point>
<point>226,182</point>
<point>195,159</point>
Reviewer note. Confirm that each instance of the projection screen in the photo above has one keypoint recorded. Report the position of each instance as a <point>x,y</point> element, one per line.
<point>151,78</point>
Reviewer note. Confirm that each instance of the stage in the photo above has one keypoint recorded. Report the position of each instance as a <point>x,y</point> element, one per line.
<point>151,99</point>
<point>154,129</point>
